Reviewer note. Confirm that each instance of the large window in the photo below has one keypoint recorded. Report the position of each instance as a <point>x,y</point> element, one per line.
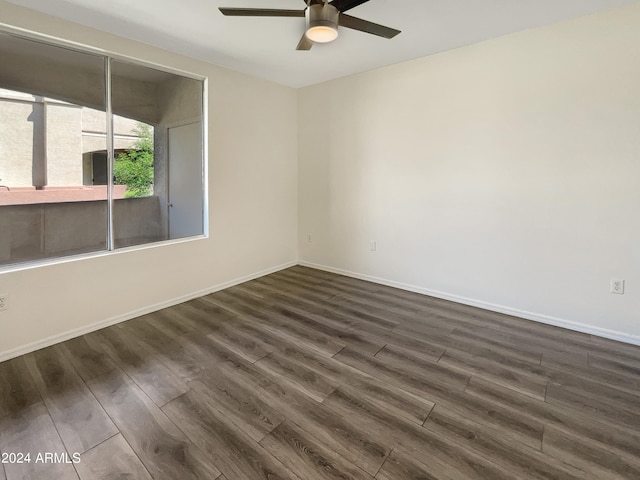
<point>96,153</point>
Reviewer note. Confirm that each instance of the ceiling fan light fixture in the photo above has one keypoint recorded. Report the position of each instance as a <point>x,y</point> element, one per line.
<point>321,20</point>
<point>322,23</point>
<point>322,34</point>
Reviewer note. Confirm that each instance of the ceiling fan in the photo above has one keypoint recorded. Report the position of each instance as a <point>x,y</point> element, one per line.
<point>322,19</point>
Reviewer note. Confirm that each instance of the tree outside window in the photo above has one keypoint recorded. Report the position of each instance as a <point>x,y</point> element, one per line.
<point>134,168</point>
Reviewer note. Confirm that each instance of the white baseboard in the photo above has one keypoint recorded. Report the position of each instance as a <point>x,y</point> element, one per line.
<point>536,317</point>
<point>546,319</point>
<point>47,342</point>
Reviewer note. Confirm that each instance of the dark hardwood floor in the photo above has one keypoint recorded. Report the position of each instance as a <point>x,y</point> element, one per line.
<point>308,375</point>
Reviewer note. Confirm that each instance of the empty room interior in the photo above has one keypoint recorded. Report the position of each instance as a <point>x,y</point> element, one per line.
<point>320,239</point>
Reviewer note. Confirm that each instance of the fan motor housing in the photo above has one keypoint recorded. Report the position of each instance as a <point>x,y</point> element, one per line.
<point>324,15</point>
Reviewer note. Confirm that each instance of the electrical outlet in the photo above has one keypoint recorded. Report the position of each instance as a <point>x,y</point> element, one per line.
<point>372,246</point>
<point>4,301</point>
<point>617,286</point>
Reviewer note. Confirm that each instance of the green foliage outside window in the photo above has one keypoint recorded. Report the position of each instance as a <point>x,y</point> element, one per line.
<point>134,168</point>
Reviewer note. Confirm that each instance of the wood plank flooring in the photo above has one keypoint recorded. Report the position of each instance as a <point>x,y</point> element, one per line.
<point>304,375</point>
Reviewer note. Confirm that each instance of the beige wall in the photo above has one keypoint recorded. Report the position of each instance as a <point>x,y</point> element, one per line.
<point>64,145</point>
<point>252,199</point>
<point>16,132</point>
<point>94,125</point>
<point>504,174</point>
<point>95,121</point>
<point>71,130</point>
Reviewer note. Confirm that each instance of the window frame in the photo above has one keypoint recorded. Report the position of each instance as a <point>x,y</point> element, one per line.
<point>108,56</point>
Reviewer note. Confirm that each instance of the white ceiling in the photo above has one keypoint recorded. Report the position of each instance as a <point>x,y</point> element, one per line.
<point>265,47</point>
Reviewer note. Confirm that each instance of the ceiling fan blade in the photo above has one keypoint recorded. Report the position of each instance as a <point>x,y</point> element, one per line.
<point>305,43</point>
<point>368,27</point>
<point>344,5</point>
<point>260,12</point>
